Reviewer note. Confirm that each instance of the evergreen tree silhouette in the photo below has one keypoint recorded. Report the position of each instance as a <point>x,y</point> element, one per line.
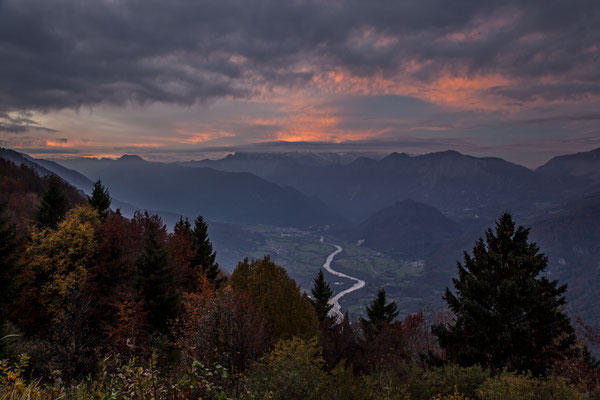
<point>379,314</point>
<point>204,254</point>
<point>100,199</point>
<point>321,294</point>
<point>506,314</point>
<point>53,204</point>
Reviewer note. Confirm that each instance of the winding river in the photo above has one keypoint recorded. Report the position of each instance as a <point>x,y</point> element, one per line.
<point>335,301</point>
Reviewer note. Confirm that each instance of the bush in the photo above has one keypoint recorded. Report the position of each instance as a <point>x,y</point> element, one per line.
<point>509,386</point>
<point>342,384</point>
<point>293,370</point>
<point>447,381</point>
<point>454,396</point>
<point>386,385</point>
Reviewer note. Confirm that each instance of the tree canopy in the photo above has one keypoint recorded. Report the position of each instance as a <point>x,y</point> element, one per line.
<point>276,294</point>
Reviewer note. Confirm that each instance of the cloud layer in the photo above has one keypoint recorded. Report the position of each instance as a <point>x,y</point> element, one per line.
<point>464,55</point>
<point>70,53</point>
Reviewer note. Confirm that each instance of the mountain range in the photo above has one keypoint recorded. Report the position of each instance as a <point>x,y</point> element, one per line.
<point>461,186</point>
<point>429,207</point>
<point>233,197</point>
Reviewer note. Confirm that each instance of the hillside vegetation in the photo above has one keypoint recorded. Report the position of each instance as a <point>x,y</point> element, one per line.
<point>99,306</point>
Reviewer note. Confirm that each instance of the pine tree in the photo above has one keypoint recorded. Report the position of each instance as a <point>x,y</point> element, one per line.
<point>321,294</point>
<point>53,205</point>
<point>100,199</point>
<point>155,281</point>
<point>204,255</point>
<point>379,314</point>
<point>506,315</point>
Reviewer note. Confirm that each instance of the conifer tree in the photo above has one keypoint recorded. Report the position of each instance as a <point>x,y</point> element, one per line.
<point>506,314</point>
<point>321,294</point>
<point>379,314</point>
<point>204,255</point>
<point>183,225</point>
<point>182,254</point>
<point>100,199</point>
<point>155,281</point>
<point>53,205</point>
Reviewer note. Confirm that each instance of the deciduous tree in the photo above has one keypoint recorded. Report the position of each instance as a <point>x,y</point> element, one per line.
<point>276,294</point>
<point>226,328</point>
<point>60,258</point>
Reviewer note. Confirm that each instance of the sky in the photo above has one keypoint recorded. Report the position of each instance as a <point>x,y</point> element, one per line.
<point>189,79</point>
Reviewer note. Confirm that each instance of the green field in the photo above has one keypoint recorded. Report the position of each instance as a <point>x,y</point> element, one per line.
<point>302,254</point>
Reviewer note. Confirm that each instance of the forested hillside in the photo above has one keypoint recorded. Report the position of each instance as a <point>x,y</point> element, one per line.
<point>96,305</point>
<point>21,187</point>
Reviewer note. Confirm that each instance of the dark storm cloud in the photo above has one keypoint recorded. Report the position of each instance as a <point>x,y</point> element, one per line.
<point>68,53</point>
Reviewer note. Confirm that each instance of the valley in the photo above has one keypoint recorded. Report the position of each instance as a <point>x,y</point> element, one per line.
<point>402,221</point>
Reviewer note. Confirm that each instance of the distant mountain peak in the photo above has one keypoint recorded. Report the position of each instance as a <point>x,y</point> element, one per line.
<point>395,156</point>
<point>131,158</point>
<point>447,153</point>
<point>362,162</point>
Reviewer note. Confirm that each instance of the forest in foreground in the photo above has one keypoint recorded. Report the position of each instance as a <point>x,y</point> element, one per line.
<point>95,305</point>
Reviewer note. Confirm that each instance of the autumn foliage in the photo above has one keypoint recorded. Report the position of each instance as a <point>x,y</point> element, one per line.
<point>96,305</point>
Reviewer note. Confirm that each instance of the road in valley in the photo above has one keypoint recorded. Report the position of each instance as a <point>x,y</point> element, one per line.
<point>335,301</point>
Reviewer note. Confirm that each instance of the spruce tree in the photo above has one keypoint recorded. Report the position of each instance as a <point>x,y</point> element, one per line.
<point>379,314</point>
<point>155,280</point>
<point>506,314</point>
<point>204,255</point>
<point>100,199</point>
<point>53,204</point>
<point>321,293</point>
<point>183,226</point>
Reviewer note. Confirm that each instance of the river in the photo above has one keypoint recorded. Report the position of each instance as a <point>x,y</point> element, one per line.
<point>335,301</point>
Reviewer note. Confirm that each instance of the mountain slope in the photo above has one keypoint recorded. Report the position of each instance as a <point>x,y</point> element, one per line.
<point>21,186</point>
<point>22,159</point>
<point>460,186</point>
<point>240,198</point>
<point>570,236</point>
<point>73,177</point>
<point>406,228</point>
<point>580,170</point>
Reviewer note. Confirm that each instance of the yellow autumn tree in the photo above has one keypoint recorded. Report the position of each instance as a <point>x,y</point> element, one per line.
<point>277,296</point>
<point>60,257</point>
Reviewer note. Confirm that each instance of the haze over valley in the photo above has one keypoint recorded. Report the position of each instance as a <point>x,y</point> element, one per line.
<point>402,220</point>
